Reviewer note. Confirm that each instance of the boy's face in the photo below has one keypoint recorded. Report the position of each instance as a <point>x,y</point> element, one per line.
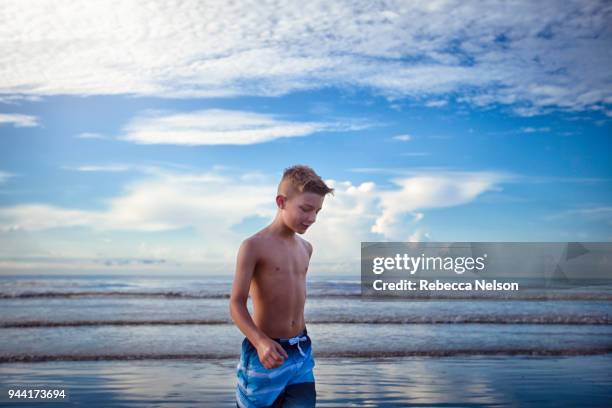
<point>301,211</point>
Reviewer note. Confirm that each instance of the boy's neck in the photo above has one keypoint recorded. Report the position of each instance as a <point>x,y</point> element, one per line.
<point>280,229</point>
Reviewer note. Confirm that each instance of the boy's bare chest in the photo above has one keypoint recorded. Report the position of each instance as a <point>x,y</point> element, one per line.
<point>283,266</point>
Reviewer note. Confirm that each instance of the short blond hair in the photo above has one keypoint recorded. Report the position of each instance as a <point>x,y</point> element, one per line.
<point>303,179</point>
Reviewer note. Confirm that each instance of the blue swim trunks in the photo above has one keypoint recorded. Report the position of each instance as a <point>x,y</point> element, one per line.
<point>292,384</point>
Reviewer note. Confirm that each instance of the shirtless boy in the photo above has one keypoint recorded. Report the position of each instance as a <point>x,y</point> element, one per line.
<point>276,359</point>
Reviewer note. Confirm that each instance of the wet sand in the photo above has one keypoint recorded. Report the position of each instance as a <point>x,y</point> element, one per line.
<point>470,381</point>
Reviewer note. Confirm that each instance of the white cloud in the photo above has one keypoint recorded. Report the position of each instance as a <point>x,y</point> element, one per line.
<point>533,56</point>
<point>366,212</point>
<point>599,214</point>
<point>19,120</point>
<point>110,168</point>
<point>216,126</point>
<point>155,169</point>
<point>436,104</point>
<point>4,176</point>
<point>211,203</point>
<point>425,191</point>
<point>89,135</point>
<point>79,265</point>
<point>344,221</point>
<point>165,201</point>
<point>402,138</point>
<point>535,130</point>
<point>419,236</point>
<point>42,216</point>
<point>17,99</point>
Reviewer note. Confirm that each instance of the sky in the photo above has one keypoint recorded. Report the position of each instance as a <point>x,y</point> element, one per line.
<point>149,138</point>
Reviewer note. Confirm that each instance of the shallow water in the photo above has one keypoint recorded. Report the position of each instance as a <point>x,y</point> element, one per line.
<point>170,342</point>
<point>391,382</point>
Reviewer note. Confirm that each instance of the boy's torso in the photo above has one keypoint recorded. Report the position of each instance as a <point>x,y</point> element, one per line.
<point>278,287</point>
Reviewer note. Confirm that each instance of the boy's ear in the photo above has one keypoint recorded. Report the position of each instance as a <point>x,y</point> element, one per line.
<point>280,201</point>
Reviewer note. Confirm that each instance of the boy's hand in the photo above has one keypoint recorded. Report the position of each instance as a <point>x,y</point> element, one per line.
<point>271,354</point>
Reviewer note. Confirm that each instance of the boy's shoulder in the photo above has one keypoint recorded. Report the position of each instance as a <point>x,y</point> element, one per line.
<point>252,243</point>
<point>307,244</point>
<point>256,242</point>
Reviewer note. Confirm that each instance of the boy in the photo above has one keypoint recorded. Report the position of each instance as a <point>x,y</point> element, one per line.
<point>276,359</point>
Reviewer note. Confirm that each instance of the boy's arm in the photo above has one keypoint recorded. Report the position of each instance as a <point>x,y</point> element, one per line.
<point>270,352</point>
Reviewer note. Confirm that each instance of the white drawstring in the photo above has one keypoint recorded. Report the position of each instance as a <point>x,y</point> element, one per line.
<point>296,340</point>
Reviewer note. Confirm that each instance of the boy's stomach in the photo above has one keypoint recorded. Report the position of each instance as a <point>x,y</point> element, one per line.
<point>277,322</point>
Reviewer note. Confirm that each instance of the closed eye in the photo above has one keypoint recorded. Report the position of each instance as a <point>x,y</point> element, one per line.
<point>306,210</point>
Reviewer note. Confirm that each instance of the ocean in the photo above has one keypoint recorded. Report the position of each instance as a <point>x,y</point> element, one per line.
<point>54,327</point>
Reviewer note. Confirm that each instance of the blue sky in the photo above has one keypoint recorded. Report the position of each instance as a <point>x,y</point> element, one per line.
<point>150,139</point>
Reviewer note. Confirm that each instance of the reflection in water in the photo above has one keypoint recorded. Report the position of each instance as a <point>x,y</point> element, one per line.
<point>455,381</point>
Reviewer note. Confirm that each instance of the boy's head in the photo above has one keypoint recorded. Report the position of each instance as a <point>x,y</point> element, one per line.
<point>300,196</point>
